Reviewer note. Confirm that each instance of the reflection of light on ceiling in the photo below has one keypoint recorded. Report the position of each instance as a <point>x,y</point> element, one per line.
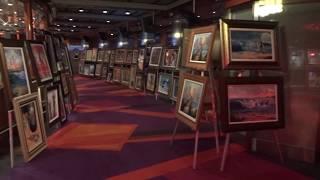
<point>177,35</point>
<point>264,8</point>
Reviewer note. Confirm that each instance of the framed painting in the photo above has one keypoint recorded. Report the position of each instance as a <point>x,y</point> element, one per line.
<point>63,113</point>
<point>116,74</point>
<point>14,69</point>
<point>164,83</point>
<point>91,69</point>
<point>64,83</point>
<point>129,57</point>
<point>106,58</point>
<point>53,107</point>
<point>125,76</point>
<point>121,55</point>
<point>249,44</point>
<point>28,113</point>
<point>155,56</point>
<point>142,53</point>
<point>112,58</point>
<point>51,53</point>
<point>174,88</point>
<point>133,71</point>
<point>100,55</point>
<point>94,54</point>
<point>135,56</point>
<point>104,71</point>
<point>98,69</point>
<point>88,55</point>
<point>40,59</point>
<point>109,76</point>
<point>252,103</point>
<point>171,58</point>
<point>190,99</point>
<point>139,82</point>
<point>313,57</point>
<point>200,47</point>
<point>151,82</point>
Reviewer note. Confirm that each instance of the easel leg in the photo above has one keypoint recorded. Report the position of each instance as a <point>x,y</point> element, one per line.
<point>276,139</point>
<point>225,152</point>
<point>195,153</point>
<point>174,132</point>
<point>215,124</point>
<point>11,139</point>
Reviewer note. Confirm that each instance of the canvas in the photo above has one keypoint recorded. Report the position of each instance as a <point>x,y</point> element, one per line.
<point>201,47</point>
<point>41,61</point>
<point>116,74</point>
<point>31,129</point>
<point>139,83</point>
<point>151,81</point>
<point>164,83</point>
<point>155,56</point>
<point>129,57</point>
<point>171,58</point>
<point>133,71</point>
<point>53,109</point>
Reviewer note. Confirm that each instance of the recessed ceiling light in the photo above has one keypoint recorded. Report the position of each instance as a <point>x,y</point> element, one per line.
<point>58,29</point>
<point>74,26</point>
<point>160,25</point>
<point>89,27</point>
<point>198,16</point>
<point>58,25</point>
<point>213,12</point>
<point>10,4</point>
<point>111,34</point>
<point>70,19</point>
<point>108,21</point>
<point>104,11</point>
<point>72,30</point>
<point>127,13</point>
<point>1,9</point>
<point>81,10</point>
<point>15,24</point>
<point>15,12</point>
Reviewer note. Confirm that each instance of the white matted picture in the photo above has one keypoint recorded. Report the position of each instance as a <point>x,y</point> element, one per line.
<point>164,83</point>
<point>155,56</point>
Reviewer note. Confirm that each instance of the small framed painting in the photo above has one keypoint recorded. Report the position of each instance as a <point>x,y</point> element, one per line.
<point>98,69</point>
<point>91,70</point>
<point>164,83</point>
<point>100,55</point>
<point>39,56</point>
<point>51,53</point>
<point>199,48</point>
<point>174,88</point>
<point>135,56</point>
<point>190,99</point>
<point>155,56</point>
<point>139,82</point>
<point>151,81</point>
<point>129,57</point>
<point>104,71</point>
<point>133,71</point>
<point>28,113</point>
<point>125,76</point>
<point>171,58</point>
<point>141,58</point>
<point>53,107</point>
<point>249,44</point>
<point>89,55</point>
<point>116,74</point>
<point>86,69</point>
<point>121,55</point>
<point>252,103</point>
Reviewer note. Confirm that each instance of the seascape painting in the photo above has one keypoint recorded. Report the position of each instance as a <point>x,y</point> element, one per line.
<point>41,61</point>
<point>190,99</point>
<point>252,103</point>
<point>200,47</point>
<point>247,45</point>
<point>17,71</point>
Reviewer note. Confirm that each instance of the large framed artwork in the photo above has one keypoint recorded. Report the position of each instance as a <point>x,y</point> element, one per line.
<point>133,71</point>
<point>89,55</point>
<point>64,83</point>
<point>116,74</point>
<point>121,55</point>
<point>252,103</point>
<point>28,113</point>
<point>200,47</point>
<point>125,76</point>
<point>41,61</point>
<point>135,56</point>
<point>129,57</point>
<point>139,82</point>
<point>151,81</point>
<point>53,107</point>
<point>14,69</point>
<point>155,56</point>
<point>141,58</point>
<point>171,58</point>
<point>164,83</point>
<point>190,99</point>
<point>174,88</point>
<point>249,44</point>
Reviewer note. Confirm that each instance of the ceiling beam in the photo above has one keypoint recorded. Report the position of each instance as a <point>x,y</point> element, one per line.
<point>95,16</point>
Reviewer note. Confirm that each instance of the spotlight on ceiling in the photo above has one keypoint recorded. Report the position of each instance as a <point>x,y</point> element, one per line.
<point>105,12</point>
<point>198,16</point>
<point>108,21</point>
<point>213,12</point>
<point>72,30</point>
<point>70,19</point>
<point>81,10</point>
<point>74,26</point>
<point>58,29</point>
<point>10,4</point>
<point>89,27</point>
<point>58,25</point>
<point>111,34</point>
<point>127,13</point>
<point>1,10</point>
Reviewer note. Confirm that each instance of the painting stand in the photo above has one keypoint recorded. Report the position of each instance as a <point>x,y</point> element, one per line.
<point>226,149</point>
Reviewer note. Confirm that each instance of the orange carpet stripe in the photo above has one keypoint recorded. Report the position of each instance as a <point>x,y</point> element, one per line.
<point>175,165</point>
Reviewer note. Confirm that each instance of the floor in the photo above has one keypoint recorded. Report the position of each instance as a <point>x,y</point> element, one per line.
<point>118,133</point>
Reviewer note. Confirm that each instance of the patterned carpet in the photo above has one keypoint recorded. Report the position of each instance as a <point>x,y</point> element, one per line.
<point>118,133</point>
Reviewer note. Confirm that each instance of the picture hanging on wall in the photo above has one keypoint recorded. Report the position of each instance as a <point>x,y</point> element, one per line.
<point>252,103</point>
<point>121,55</point>
<point>52,99</point>
<point>28,113</point>
<point>104,71</point>
<point>151,81</point>
<point>135,56</point>
<point>139,82</point>
<point>14,69</point>
<point>249,44</point>
<point>200,47</point>
<point>129,57</point>
<point>41,61</point>
<point>133,71</point>
<point>164,83</point>
<point>141,59</point>
<point>155,56</point>
<point>171,58</point>
<point>116,74</point>
<point>190,99</point>
<point>51,53</point>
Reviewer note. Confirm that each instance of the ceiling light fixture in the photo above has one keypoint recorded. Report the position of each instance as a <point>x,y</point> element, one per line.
<point>198,16</point>
<point>105,12</point>
<point>58,25</point>
<point>89,27</point>
<point>72,30</point>
<point>127,13</point>
<point>15,12</point>
<point>1,9</point>
<point>81,10</point>
<point>213,12</point>
<point>111,34</point>
<point>10,4</point>
<point>74,26</point>
<point>70,19</point>
<point>108,21</point>
<point>58,29</point>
